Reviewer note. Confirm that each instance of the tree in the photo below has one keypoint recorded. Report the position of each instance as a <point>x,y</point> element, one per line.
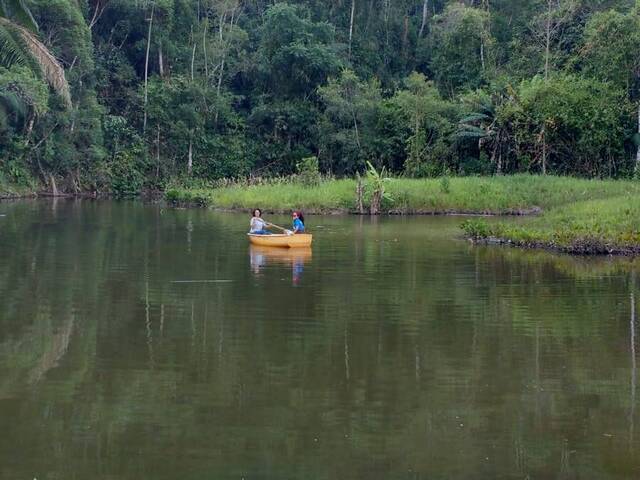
<point>297,53</point>
<point>347,128</point>
<point>480,125</point>
<point>20,46</point>
<point>610,53</point>
<point>460,42</point>
<point>580,123</point>
<point>430,119</point>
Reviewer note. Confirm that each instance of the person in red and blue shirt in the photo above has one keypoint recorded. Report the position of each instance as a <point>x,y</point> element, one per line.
<point>298,222</point>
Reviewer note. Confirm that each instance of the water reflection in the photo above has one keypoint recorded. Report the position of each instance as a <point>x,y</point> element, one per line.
<point>295,258</point>
<point>403,352</point>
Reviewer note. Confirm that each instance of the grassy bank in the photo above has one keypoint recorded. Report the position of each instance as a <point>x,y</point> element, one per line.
<point>518,194</point>
<point>9,190</point>
<point>605,226</point>
<point>338,195</point>
<point>576,215</point>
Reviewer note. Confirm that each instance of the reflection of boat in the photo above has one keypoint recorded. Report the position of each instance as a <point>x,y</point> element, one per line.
<point>281,255</point>
<point>296,258</point>
<point>278,240</point>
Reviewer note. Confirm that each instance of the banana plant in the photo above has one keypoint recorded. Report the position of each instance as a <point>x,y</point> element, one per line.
<point>376,181</point>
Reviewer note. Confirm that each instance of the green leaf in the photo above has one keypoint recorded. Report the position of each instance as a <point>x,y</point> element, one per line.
<point>18,11</point>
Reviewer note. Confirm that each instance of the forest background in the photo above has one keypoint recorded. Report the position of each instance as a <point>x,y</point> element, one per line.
<point>153,93</point>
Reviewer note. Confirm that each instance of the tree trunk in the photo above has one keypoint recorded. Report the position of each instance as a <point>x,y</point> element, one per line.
<point>100,9</point>
<point>146,69</point>
<point>370,13</point>
<point>160,61</point>
<point>544,151</point>
<point>425,15</point>
<point>30,126</point>
<point>360,195</point>
<point>376,201</point>
<point>355,126</point>
<point>387,7</point>
<point>204,47</point>
<point>190,160</point>
<point>353,11</point>
<point>218,88</point>
<point>547,45</point>
<point>637,169</point>
<point>54,187</point>
<point>405,35</point>
<point>193,60</point>
<point>158,153</point>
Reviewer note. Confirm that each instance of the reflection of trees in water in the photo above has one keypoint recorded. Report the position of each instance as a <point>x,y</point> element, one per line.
<point>634,369</point>
<point>423,361</point>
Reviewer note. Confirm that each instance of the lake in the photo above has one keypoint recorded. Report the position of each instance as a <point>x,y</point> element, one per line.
<point>140,342</point>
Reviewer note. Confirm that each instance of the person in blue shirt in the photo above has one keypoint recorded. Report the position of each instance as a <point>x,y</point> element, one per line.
<point>298,222</point>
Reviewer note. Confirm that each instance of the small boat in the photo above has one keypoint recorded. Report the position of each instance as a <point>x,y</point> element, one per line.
<point>281,240</point>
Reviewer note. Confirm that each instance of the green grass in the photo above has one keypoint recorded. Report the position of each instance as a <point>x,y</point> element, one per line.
<point>329,196</point>
<point>578,216</point>
<point>11,190</point>
<point>482,195</point>
<point>610,225</point>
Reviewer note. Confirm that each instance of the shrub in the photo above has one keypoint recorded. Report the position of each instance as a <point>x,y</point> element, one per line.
<point>445,184</point>
<point>308,172</point>
<point>476,229</point>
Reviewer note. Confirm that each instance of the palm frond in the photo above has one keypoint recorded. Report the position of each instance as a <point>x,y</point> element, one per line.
<point>474,117</point>
<point>12,109</point>
<point>470,131</point>
<point>51,69</point>
<point>11,48</point>
<point>18,11</point>
<point>470,135</point>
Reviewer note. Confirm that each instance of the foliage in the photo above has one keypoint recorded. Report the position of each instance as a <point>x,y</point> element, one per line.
<point>476,229</point>
<point>349,126</point>
<point>308,172</point>
<point>226,89</point>
<point>461,43</point>
<point>20,46</point>
<point>500,195</point>
<point>376,187</point>
<point>572,120</point>
<point>445,184</point>
<point>297,53</point>
<point>610,40</point>
<point>596,226</point>
<point>430,119</point>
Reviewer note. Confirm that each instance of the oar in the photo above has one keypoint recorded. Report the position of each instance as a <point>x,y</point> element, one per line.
<point>286,230</point>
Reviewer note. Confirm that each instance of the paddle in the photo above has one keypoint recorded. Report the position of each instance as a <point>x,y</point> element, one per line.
<point>287,231</point>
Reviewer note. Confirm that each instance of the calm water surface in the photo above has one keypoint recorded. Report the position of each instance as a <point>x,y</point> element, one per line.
<point>142,343</point>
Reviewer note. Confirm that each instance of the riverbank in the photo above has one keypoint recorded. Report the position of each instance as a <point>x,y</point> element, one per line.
<point>566,214</point>
<point>10,191</point>
<point>606,226</point>
<point>504,195</point>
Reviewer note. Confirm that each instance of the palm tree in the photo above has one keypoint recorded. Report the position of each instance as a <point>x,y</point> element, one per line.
<point>481,125</point>
<point>20,46</point>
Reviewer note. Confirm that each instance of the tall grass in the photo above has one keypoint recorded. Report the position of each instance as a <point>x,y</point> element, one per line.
<point>330,195</point>
<point>479,195</point>
<point>610,225</point>
<point>11,190</point>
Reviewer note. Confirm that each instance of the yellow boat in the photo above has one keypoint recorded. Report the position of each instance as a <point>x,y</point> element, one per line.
<point>282,240</point>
